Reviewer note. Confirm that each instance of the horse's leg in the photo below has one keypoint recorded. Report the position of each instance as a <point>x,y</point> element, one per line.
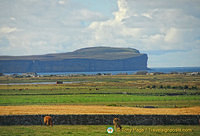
<point>48,122</point>
<point>51,123</point>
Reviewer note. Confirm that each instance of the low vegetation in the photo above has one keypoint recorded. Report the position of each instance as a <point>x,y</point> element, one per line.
<point>101,99</point>
<point>100,130</point>
<point>168,90</point>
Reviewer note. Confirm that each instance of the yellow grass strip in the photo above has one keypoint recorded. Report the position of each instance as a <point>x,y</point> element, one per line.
<point>80,109</point>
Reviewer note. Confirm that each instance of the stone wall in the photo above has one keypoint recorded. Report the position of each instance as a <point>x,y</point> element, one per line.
<point>102,119</point>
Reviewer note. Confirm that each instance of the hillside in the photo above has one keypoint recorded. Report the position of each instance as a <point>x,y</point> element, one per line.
<point>86,59</point>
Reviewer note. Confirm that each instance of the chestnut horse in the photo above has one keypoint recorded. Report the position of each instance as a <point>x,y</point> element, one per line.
<point>117,123</point>
<point>48,120</point>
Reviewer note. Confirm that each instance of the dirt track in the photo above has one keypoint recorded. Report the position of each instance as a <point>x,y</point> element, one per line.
<point>78,109</point>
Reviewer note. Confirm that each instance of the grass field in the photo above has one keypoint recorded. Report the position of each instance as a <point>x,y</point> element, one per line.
<point>122,80</point>
<point>90,88</point>
<point>119,90</point>
<point>99,130</point>
<point>100,99</point>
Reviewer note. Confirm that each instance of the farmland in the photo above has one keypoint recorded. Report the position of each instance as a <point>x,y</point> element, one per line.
<point>94,109</point>
<point>169,94</point>
<point>159,91</point>
<point>101,99</point>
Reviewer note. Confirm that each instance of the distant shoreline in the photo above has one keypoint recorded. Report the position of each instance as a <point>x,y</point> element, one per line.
<point>150,70</point>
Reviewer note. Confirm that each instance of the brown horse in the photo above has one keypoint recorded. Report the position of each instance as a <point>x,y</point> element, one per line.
<point>48,120</point>
<point>117,123</point>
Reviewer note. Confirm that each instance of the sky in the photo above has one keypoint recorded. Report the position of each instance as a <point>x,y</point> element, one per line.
<point>168,31</point>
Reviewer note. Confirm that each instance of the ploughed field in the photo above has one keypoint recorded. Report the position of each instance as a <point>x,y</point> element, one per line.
<point>150,92</point>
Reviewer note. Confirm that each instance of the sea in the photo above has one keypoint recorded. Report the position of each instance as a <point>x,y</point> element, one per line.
<point>150,70</point>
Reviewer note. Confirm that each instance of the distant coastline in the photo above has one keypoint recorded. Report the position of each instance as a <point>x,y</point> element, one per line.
<point>91,59</point>
<point>150,70</point>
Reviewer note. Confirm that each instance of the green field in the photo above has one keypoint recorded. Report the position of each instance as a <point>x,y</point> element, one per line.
<point>168,90</point>
<point>99,99</point>
<point>99,130</point>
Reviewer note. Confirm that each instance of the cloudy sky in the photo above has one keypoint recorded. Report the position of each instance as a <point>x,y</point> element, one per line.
<point>167,30</point>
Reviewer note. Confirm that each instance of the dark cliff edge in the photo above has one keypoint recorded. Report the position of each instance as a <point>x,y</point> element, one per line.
<point>83,60</point>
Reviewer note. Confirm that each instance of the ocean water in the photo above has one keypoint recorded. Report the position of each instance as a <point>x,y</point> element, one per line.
<point>175,69</point>
<point>164,70</point>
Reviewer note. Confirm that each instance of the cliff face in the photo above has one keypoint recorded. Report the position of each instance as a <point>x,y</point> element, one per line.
<point>83,60</point>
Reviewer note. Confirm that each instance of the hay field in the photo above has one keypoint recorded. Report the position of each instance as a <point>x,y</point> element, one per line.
<point>81,109</point>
